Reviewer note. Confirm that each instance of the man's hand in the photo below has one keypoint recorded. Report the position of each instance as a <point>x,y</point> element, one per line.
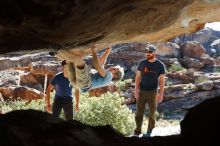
<point>136,94</point>
<point>48,108</point>
<point>160,98</point>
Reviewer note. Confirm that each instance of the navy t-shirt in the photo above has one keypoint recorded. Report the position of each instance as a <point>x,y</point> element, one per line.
<point>150,72</point>
<point>62,86</point>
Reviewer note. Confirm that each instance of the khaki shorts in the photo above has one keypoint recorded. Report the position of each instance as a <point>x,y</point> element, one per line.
<point>83,77</point>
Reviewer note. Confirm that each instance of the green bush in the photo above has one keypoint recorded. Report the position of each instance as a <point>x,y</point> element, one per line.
<point>106,110</point>
<point>176,67</point>
<point>8,106</point>
<point>217,69</point>
<point>121,84</point>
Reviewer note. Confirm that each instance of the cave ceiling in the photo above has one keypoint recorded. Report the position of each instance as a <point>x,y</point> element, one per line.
<point>77,24</point>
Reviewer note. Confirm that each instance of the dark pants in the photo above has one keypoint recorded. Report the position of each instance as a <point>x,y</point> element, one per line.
<point>67,106</point>
<point>150,98</point>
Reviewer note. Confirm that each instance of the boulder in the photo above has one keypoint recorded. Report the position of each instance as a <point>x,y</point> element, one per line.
<point>192,50</point>
<point>99,91</point>
<point>168,49</point>
<point>30,81</point>
<point>21,93</point>
<point>191,63</point>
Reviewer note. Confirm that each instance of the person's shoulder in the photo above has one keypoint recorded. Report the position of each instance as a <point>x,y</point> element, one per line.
<point>59,74</point>
<point>142,61</point>
<point>160,62</point>
<point>56,78</point>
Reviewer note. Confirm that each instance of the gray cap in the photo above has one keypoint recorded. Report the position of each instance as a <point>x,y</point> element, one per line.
<point>151,48</point>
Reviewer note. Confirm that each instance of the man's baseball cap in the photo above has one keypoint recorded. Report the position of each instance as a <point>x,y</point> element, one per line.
<point>151,48</point>
<point>63,63</point>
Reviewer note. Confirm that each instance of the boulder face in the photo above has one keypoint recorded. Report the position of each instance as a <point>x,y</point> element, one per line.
<point>20,93</point>
<point>192,50</point>
<point>51,25</point>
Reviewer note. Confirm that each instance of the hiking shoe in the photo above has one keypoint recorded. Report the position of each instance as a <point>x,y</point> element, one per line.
<point>148,134</point>
<point>137,134</point>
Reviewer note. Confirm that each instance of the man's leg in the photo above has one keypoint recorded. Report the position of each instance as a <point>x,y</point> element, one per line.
<point>56,108</point>
<point>140,111</point>
<point>152,102</point>
<point>76,59</point>
<point>68,110</point>
<point>96,62</point>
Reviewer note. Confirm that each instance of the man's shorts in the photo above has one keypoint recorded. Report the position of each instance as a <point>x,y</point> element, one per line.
<point>83,77</point>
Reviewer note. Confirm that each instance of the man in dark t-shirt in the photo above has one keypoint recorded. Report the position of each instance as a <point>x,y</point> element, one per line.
<point>150,74</point>
<point>63,95</point>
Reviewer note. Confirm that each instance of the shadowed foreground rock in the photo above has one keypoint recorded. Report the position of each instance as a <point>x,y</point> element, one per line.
<point>202,124</point>
<point>36,128</point>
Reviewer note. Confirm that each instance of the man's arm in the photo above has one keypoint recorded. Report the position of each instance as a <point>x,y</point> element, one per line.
<point>137,84</point>
<point>98,66</point>
<point>47,98</point>
<point>77,94</point>
<point>161,84</point>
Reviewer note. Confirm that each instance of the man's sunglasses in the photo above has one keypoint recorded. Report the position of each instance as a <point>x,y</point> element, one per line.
<point>149,52</point>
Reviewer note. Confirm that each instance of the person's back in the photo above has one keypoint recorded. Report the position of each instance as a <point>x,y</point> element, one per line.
<point>62,86</point>
<point>63,98</point>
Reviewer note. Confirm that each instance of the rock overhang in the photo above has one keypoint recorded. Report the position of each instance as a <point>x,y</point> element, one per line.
<point>53,25</point>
